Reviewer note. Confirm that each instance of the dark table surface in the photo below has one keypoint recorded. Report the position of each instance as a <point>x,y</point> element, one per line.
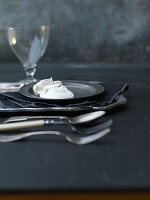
<point>119,161</point>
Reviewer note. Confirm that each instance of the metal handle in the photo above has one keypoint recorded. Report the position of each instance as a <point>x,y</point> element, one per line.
<point>53,119</point>
<point>21,125</point>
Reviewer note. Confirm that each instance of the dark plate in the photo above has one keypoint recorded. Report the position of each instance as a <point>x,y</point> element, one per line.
<point>81,90</point>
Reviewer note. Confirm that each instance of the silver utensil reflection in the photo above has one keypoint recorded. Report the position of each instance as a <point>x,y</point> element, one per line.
<point>80,140</point>
<point>80,119</point>
<point>10,86</point>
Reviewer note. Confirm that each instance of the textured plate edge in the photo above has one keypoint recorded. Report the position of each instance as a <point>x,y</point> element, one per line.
<point>120,101</point>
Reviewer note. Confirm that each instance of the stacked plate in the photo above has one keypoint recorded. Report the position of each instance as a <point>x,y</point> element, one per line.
<point>84,94</point>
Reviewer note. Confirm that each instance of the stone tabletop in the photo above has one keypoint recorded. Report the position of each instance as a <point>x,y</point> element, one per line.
<point>119,161</point>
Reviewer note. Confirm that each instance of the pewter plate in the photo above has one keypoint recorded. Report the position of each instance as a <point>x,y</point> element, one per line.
<point>82,90</point>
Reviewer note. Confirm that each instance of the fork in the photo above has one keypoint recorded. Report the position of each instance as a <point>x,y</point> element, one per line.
<point>80,140</point>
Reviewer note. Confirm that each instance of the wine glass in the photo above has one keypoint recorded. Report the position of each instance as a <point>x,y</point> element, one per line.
<point>29,45</point>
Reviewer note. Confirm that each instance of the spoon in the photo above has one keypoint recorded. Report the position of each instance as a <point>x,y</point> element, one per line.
<point>40,123</point>
<point>80,119</point>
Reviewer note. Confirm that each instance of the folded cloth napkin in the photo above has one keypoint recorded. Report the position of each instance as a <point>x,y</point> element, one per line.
<point>17,100</point>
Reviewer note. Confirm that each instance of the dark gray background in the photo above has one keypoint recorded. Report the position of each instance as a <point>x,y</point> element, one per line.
<point>83,30</point>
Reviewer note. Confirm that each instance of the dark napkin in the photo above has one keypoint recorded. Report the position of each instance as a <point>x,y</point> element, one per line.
<point>16,100</point>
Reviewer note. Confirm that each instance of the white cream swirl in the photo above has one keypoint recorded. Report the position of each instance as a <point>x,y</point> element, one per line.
<point>50,89</point>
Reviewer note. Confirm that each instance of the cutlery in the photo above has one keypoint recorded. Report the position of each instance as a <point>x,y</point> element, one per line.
<point>84,118</point>
<point>70,138</point>
<point>40,123</point>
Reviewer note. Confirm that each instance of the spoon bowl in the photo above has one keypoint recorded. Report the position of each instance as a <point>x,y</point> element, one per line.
<point>85,118</point>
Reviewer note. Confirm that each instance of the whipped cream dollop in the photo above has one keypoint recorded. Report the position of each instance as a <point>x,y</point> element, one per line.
<point>50,89</point>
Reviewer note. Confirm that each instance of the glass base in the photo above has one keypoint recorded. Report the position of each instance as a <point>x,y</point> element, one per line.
<point>30,70</point>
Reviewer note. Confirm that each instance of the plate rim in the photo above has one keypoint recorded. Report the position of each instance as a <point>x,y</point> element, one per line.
<point>120,101</point>
<point>95,85</point>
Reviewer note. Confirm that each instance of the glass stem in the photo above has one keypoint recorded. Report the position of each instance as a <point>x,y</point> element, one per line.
<point>30,71</point>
